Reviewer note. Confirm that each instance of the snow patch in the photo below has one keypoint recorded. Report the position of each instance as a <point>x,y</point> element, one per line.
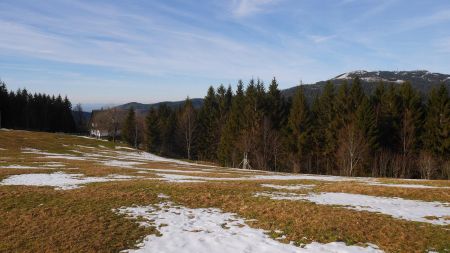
<point>209,230</point>
<point>307,177</point>
<point>59,180</point>
<point>23,167</point>
<point>90,138</point>
<point>178,171</point>
<point>163,196</point>
<point>174,178</point>
<point>414,210</point>
<point>342,76</point>
<point>418,186</point>
<point>289,187</point>
<point>122,164</point>
<point>144,156</point>
<point>82,146</point>
<point>121,147</point>
<point>51,155</point>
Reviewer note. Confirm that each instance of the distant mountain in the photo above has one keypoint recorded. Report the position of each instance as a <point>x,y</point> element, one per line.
<point>196,102</point>
<point>421,80</point>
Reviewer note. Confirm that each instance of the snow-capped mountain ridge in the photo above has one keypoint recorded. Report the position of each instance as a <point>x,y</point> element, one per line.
<point>421,76</point>
<point>422,80</point>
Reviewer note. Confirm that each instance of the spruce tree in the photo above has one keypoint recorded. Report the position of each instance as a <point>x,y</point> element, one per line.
<point>343,104</point>
<point>299,129</point>
<point>411,123</point>
<point>411,118</point>
<point>327,124</point>
<point>366,122</point>
<point>168,126</point>
<point>275,105</point>
<point>356,95</point>
<point>228,151</point>
<point>208,129</point>
<point>436,136</point>
<point>153,134</point>
<point>4,101</point>
<point>129,128</point>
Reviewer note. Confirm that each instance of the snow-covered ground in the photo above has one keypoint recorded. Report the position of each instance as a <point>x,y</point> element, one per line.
<point>122,164</point>
<point>413,210</point>
<point>289,187</point>
<point>50,155</point>
<point>270,176</point>
<point>417,186</point>
<point>209,230</point>
<point>59,180</point>
<point>23,167</point>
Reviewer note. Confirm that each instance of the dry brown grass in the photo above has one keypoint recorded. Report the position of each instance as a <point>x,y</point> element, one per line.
<point>41,219</point>
<point>425,194</point>
<point>302,219</point>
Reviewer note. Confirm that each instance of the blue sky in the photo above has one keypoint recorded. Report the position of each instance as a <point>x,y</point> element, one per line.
<point>147,51</point>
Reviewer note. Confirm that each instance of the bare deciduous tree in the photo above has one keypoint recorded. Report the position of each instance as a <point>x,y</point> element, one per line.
<point>427,165</point>
<point>187,125</point>
<point>116,117</point>
<point>352,150</point>
<point>408,138</point>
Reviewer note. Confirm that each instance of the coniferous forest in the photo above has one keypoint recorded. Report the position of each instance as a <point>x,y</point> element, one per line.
<point>42,112</point>
<point>393,132</point>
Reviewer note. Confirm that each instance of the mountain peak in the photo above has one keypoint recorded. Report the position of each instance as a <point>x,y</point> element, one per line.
<point>417,76</point>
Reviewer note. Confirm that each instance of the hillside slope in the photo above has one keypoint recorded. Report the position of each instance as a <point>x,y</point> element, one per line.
<point>421,80</point>
<point>65,193</point>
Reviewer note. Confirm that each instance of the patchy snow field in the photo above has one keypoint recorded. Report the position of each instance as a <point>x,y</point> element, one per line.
<point>206,230</point>
<point>388,210</point>
<point>59,180</point>
<point>413,210</point>
<point>289,187</point>
<point>22,167</point>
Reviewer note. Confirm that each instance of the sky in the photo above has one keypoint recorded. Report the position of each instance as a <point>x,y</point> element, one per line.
<point>114,51</point>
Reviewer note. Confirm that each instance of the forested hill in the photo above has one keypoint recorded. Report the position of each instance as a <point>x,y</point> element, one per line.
<point>196,102</point>
<point>420,80</point>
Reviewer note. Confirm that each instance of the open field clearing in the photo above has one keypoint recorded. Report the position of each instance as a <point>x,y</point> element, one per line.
<point>63,193</point>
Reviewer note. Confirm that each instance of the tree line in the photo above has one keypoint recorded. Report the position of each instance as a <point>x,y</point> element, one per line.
<point>392,132</point>
<point>42,112</point>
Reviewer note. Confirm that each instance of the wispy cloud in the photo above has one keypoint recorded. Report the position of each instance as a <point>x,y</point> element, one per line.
<point>243,8</point>
<point>443,45</point>
<point>320,38</point>
<point>438,17</point>
<point>185,47</point>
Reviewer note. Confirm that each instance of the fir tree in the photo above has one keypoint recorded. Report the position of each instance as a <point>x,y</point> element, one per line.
<point>153,134</point>
<point>228,150</point>
<point>437,125</point>
<point>299,129</point>
<point>275,105</point>
<point>208,127</point>
<point>366,122</point>
<point>327,124</point>
<point>129,128</point>
<point>4,101</point>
